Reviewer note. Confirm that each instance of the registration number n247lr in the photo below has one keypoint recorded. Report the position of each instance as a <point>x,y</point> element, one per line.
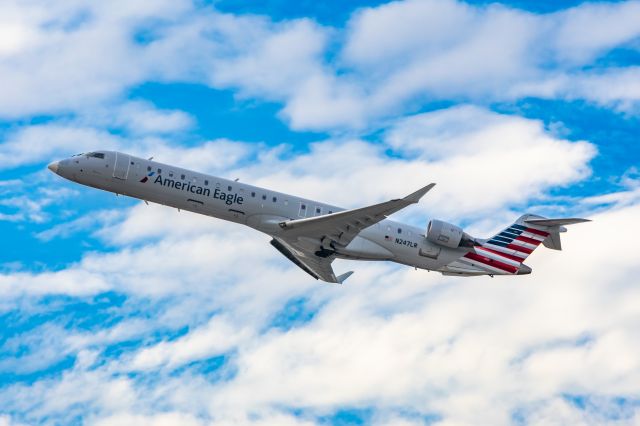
<point>406,243</point>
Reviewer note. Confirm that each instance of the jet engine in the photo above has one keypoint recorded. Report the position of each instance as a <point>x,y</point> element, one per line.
<point>448,235</point>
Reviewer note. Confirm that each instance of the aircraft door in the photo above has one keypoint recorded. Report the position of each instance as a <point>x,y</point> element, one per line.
<point>121,166</point>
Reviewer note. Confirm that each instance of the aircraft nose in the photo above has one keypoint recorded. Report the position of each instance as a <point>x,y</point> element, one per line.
<point>54,166</point>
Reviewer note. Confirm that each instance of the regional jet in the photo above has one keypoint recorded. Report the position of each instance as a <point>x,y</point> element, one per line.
<point>312,234</point>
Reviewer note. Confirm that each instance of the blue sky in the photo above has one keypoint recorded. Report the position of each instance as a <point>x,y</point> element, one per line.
<point>114,312</point>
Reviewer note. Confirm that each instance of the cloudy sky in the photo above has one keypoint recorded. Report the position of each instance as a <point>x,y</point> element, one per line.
<point>113,312</point>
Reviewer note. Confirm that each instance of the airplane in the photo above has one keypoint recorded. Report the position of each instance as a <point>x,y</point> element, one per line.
<point>313,234</point>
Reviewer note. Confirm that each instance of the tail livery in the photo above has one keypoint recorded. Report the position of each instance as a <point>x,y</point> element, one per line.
<point>505,252</point>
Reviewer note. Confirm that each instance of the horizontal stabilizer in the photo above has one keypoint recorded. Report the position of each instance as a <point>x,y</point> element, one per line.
<point>554,227</point>
<point>555,222</point>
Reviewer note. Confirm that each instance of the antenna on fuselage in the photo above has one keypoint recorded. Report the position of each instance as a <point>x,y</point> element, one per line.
<point>150,158</point>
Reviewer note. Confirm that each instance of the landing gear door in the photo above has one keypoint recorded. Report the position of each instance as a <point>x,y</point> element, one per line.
<point>121,166</point>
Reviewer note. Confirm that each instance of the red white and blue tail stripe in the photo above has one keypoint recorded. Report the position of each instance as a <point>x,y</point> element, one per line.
<point>504,253</point>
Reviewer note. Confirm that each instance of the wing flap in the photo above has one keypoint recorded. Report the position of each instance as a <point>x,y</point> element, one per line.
<point>317,267</point>
<point>289,255</point>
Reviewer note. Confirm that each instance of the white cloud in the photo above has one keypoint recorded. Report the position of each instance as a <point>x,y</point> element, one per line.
<point>407,343</point>
<point>387,60</point>
<point>44,143</point>
<point>295,47</point>
<point>136,118</point>
<point>41,143</point>
<point>398,55</point>
<point>95,220</point>
<point>72,282</point>
<point>76,54</point>
<point>215,338</point>
<point>162,419</point>
<point>24,203</point>
<point>445,146</point>
<point>392,338</point>
<point>482,162</point>
<point>608,27</point>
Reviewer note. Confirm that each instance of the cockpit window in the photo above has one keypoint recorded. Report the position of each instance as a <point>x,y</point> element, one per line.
<point>95,155</point>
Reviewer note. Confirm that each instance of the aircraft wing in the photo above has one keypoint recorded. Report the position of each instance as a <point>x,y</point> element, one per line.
<point>317,267</point>
<point>311,243</point>
<point>342,227</point>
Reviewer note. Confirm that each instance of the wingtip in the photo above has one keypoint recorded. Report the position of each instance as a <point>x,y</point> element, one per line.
<point>416,196</point>
<point>342,278</point>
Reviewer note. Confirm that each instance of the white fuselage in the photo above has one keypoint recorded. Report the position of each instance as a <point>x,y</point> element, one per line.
<point>259,208</point>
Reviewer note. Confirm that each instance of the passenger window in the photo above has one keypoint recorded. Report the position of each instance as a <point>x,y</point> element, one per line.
<point>275,199</point>
<point>303,210</point>
<point>229,187</point>
<point>182,177</point>
<point>399,231</point>
<point>318,210</point>
<point>159,171</point>
<point>132,163</point>
<point>206,182</point>
<point>170,174</point>
<point>148,168</point>
<point>330,211</point>
<point>264,197</point>
<point>253,194</point>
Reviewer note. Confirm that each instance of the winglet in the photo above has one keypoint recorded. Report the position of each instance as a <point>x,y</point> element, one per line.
<point>415,197</point>
<point>340,279</point>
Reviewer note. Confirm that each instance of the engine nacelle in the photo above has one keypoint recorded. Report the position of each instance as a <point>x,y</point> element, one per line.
<point>445,234</point>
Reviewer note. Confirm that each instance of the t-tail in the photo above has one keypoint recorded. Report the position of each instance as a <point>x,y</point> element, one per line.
<point>505,252</point>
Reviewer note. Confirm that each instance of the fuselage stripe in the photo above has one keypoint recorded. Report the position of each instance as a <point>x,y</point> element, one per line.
<point>500,253</point>
<point>517,254</point>
<point>492,262</point>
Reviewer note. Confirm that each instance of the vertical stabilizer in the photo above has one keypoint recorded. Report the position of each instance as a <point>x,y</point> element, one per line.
<point>517,241</point>
<point>553,241</point>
